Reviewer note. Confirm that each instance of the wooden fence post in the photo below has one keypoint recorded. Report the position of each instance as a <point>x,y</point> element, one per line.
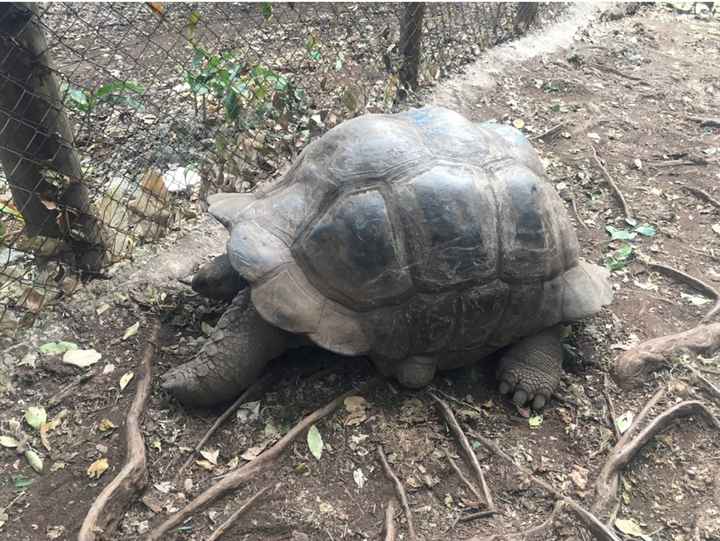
<point>35,138</point>
<point>410,46</point>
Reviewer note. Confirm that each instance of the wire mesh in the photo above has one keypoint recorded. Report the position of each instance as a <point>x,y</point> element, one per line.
<point>117,120</point>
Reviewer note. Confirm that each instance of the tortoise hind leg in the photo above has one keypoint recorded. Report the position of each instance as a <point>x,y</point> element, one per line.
<point>531,368</point>
<point>240,347</point>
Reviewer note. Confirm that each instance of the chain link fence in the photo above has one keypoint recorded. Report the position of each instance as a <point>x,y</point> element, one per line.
<point>117,120</point>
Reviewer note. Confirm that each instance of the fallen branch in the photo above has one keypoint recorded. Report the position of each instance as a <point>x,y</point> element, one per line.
<point>69,389</point>
<point>606,484</point>
<point>400,492</point>
<point>470,456</point>
<point>547,133</point>
<point>608,69</point>
<point>241,475</point>
<point>218,533</point>
<point>611,409</point>
<point>611,183</point>
<point>707,385</point>
<point>465,480</point>
<point>255,390</point>
<point>691,281</point>
<point>679,161</point>
<point>702,194</point>
<point>537,531</point>
<point>706,122</point>
<point>596,527</point>
<point>634,365</point>
<point>108,508</point>
<point>390,530</point>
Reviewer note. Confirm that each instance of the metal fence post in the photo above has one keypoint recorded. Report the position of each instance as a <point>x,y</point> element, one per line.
<point>410,46</point>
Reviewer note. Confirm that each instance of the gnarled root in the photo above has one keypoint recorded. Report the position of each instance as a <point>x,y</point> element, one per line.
<point>243,474</point>
<point>634,365</point>
<point>607,482</point>
<point>108,508</point>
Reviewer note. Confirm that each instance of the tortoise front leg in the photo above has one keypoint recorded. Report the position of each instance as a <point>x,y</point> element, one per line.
<point>531,368</point>
<point>233,357</point>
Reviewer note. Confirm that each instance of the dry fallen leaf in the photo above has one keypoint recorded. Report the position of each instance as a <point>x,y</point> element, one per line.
<point>211,455</point>
<point>97,468</point>
<point>125,379</point>
<point>106,425</point>
<point>9,442</point>
<point>34,460</point>
<point>131,330</point>
<point>81,357</point>
<point>205,464</point>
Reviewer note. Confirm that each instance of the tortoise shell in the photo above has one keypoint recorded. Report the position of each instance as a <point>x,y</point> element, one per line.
<point>415,233</point>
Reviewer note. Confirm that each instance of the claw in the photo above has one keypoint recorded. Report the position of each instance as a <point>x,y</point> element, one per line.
<point>538,402</point>
<point>520,397</point>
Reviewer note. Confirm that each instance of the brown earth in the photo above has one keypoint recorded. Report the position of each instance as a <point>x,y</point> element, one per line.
<point>631,88</point>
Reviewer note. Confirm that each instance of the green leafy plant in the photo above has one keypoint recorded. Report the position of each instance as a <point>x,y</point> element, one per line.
<point>122,93</point>
<point>239,86</point>
<point>621,256</point>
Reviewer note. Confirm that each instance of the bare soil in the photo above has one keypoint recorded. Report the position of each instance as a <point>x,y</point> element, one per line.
<point>632,88</point>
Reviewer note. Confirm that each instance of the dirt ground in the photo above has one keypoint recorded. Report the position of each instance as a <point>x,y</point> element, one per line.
<point>632,88</point>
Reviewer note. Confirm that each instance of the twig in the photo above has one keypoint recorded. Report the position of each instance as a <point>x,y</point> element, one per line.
<point>218,533</point>
<point>536,531</point>
<point>470,456</point>
<point>693,282</point>
<point>706,384</point>
<point>465,480</point>
<point>635,364</point>
<point>108,508</point>
<point>573,202</point>
<point>608,69</point>
<point>549,132</point>
<point>596,527</point>
<point>679,161</point>
<point>479,514</point>
<point>69,389</point>
<point>390,530</point>
<point>239,476</point>
<point>702,194</point>
<point>632,429</point>
<point>611,183</point>
<point>256,389</point>
<point>607,481</point>
<point>611,409</point>
<point>399,491</point>
<point>706,122</point>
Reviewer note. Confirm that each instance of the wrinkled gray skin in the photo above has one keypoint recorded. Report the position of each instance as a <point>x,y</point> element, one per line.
<point>421,239</point>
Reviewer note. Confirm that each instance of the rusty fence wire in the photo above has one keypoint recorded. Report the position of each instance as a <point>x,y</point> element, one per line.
<point>117,120</point>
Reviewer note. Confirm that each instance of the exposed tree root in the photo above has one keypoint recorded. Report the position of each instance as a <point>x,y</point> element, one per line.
<point>470,456</point>
<point>549,132</point>
<point>593,524</point>
<point>706,122</point>
<point>390,529</point>
<point>607,482</point>
<point>634,365</point>
<point>611,183</point>
<point>70,389</point>
<point>241,475</point>
<point>400,492</point>
<point>465,480</point>
<point>693,282</point>
<point>220,531</point>
<point>702,194</point>
<point>108,508</point>
<point>611,409</point>
<point>537,531</point>
<point>255,390</point>
<point>705,384</point>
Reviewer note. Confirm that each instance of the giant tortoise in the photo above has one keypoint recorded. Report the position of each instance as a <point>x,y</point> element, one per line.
<point>421,239</point>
